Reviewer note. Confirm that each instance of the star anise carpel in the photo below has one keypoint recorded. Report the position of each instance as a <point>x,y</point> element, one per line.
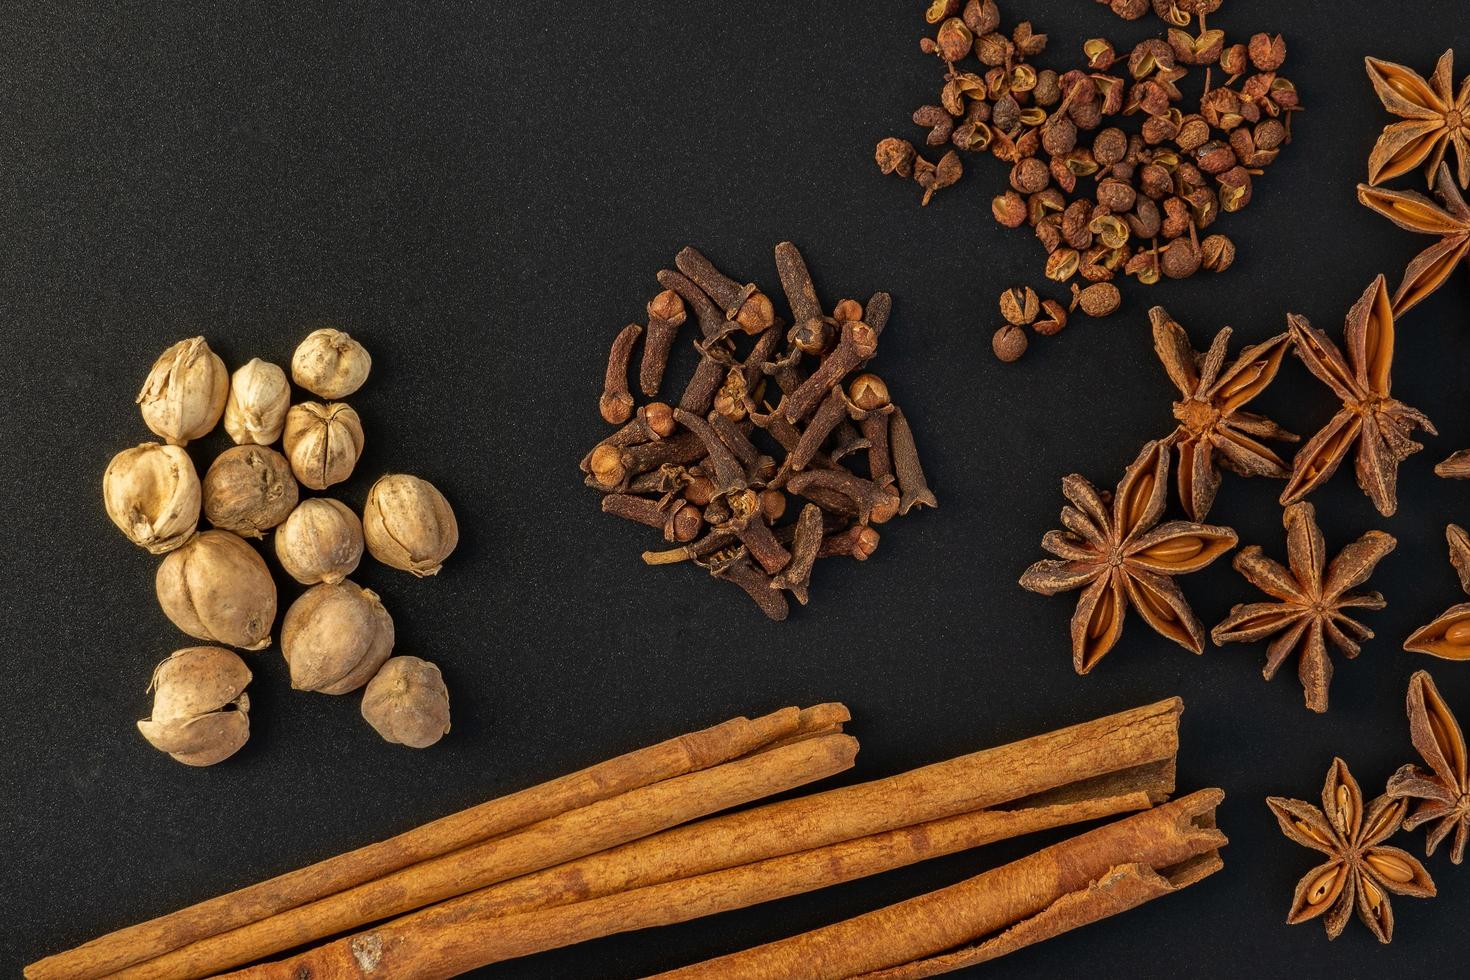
<point>1435,118</point>
<point>1370,418</point>
<point>1443,791</point>
<point>1361,870</point>
<point>1415,212</point>
<point>1117,552</point>
<point>1214,430</point>
<point>1312,598</point>
<point>1448,637</point>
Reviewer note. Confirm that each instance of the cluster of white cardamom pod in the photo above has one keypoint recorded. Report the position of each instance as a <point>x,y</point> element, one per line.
<point>215,585</point>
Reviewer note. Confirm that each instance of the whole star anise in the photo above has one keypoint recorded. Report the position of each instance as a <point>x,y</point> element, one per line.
<point>1435,118</point>
<point>1360,869</point>
<point>1376,423</point>
<point>1311,598</point>
<point>1448,637</point>
<point>1415,212</point>
<point>1214,430</point>
<point>1115,554</point>
<point>1444,791</point>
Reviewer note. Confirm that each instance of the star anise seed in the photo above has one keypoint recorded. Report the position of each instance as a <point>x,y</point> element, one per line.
<point>1444,790</point>
<point>1311,598</point>
<point>1361,870</point>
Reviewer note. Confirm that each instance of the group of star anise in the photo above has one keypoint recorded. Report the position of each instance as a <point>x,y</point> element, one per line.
<point>1120,555</point>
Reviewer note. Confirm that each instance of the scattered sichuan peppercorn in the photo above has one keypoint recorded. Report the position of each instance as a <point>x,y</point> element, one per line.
<point>760,423</point>
<point>1105,202</point>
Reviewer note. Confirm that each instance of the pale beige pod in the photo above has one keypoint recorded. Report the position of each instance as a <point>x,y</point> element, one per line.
<point>335,637</point>
<point>407,703</point>
<point>248,490</point>
<point>320,542</point>
<point>217,587</point>
<point>408,524</point>
<point>323,442</point>
<point>185,392</point>
<point>152,494</point>
<point>201,714</point>
<point>255,411</point>
<point>329,363</point>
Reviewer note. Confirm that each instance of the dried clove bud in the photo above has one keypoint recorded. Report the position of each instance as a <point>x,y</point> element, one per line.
<point>152,494</point>
<point>1009,343</point>
<point>408,524</point>
<point>201,714</point>
<point>320,541</point>
<point>858,542</point>
<point>616,403</point>
<point>255,411</point>
<point>218,588</point>
<point>745,305</point>
<point>323,442</point>
<point>407,703</point>
<point>248,490</point>
<point>185,392</point>
<point>330,364</point>
<point>335,638</point>
<point>665,316</point>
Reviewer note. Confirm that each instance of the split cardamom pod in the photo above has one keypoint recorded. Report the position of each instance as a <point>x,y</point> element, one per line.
<point>329,363</point>
<point>201,714</point>
<point>184,394</point>
<point>255,411</point>
<point>249,489</point>
<point>335,637</point>
<point>217,587</point>
<point>408,524</point>
<point>323,442</point>
<point>321,541</point>
<point>152,494</point>
<point>407,703</point>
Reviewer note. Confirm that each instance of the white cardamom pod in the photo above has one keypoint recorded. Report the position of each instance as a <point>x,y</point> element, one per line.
<point>185,392</point>
<point>255,411</point>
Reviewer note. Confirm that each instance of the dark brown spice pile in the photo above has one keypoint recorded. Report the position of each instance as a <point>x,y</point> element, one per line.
<point>1102,201</point>
<point>768,413</point>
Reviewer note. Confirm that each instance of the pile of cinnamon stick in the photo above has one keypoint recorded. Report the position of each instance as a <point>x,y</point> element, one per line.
<point>631,843</point>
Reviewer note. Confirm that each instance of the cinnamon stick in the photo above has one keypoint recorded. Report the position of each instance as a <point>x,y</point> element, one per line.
<point>672,758</point>
<point>430,948</point>
<point>926,927</point>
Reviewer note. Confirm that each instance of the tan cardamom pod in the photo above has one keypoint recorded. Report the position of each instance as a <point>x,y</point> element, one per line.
<point>249,489</point>
<point>217,587</point>
<point>329,363</point>
<point>407,703</point>
<point>335,637</point>
<point>323,442</point>
<point>408,524</point>
<point>320,542</point>
<point>151,492</point>
<point>185,392</point>
<point>255,411</point>
<point>201,714</point>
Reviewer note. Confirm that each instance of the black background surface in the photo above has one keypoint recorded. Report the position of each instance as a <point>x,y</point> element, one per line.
<point>482,193</point>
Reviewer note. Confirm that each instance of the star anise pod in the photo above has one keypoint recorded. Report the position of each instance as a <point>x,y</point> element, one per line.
<point>1311,598</point>
<point>1435,118</point>
<point>1449,635</point>
<point>1415,212</point>
<point>1360,870</point>
<point>1113,551</point>
<point>1376,423</point>
<point>1444,791</point>
<point>1213,429</point>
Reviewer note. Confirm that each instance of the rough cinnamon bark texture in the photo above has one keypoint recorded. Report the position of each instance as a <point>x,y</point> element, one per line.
<point>665,760</point>
<point>433,949</point>
<point>1044,886</point>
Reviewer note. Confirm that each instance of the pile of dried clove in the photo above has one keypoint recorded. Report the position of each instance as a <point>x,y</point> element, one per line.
<point>768,412</point>
<point>1153,191</point>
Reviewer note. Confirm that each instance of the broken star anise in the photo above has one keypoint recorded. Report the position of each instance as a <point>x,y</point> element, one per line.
<point>1214,430</point>
<point>1448,636</point>
<point>1376,423</point>
<point>1360,869</point>
<point>1444,791</point>
<point>1115,554</point>
<point>1311,598</point>
<point>1415,212</point>
<point>1435,118</point>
